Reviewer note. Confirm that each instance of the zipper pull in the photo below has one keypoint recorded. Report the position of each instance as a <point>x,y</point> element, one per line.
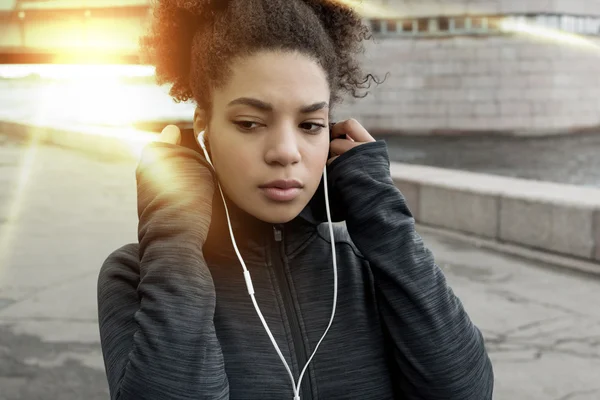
<point>277,233</point>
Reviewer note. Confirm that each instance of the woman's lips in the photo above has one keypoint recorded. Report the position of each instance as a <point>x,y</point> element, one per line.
<point>278,194</point>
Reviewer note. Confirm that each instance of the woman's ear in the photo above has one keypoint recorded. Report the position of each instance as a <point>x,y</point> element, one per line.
<point>200,120</point>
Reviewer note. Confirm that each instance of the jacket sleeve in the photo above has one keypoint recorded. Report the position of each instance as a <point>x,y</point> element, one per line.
<point>437,349</point>
<point>156,301</point>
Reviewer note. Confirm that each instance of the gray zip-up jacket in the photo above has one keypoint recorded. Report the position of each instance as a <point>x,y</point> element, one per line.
<point>176,320</point>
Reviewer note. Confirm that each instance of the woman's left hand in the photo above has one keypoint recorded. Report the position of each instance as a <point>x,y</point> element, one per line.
<point>355,133</point>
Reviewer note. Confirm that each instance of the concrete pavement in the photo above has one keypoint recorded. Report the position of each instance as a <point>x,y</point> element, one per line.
<point>62,212</point>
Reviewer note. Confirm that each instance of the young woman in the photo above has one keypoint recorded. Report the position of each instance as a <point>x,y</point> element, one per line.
<point>176,318</point>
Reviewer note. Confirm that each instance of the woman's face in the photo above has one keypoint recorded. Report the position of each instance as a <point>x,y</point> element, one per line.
<point>270,122</point>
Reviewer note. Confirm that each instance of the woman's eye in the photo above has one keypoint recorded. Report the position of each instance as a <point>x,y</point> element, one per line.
<point>312,127</point>
<point>307,126</point>
<point>246,125</point>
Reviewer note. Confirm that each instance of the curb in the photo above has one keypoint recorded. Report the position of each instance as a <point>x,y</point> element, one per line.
<point>97,140</point>
<point>563,263</point>
<point>557,219</point>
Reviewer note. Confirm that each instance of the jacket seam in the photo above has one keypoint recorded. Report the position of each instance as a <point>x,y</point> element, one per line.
<point>303,245</point>
<point>284,319</point>
<point>303,329</point>
<point>345,242</point>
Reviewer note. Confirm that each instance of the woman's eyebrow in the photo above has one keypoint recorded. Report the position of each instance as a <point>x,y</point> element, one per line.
<point>249,101</point>
<point>314,107</point>
<point>263,106</point>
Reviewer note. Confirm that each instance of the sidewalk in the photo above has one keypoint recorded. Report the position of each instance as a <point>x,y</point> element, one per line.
<point>56,228</point>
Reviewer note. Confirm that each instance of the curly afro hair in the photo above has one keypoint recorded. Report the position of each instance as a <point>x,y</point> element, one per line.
<point>192,42</point>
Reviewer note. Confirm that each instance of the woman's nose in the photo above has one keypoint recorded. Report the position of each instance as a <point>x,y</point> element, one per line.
<point>283,148</point>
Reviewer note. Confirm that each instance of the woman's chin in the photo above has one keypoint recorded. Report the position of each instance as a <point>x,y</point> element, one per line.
<point>270,210</point>
<point>278,213</point>
<point>280,217</point>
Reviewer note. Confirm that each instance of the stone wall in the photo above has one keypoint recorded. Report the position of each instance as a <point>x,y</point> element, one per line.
<point>419,8</point>
<point>510,83</point>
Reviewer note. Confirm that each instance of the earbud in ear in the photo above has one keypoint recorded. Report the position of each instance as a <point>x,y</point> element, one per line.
<point>200,139</point>
<point>202,142</point>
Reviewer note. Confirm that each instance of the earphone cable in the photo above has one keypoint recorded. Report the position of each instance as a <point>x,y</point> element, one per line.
<point>250,286</point>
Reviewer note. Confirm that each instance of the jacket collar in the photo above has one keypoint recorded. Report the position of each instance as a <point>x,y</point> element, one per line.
<point>254,237</point>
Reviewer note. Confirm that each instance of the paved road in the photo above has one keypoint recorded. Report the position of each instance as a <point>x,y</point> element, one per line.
<point>542,326</point>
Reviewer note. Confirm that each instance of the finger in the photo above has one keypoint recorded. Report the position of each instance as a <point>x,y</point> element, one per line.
<point>171,134</point>
<point>353,130</point>
<point>340,146</point>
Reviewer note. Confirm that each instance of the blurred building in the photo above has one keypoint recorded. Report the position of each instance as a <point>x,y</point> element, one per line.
<point>494,65</point>
<point>453,65</point>
<point>56,31</point>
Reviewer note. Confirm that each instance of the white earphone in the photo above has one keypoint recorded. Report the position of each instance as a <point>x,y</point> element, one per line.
<point>296,387</point>
<point>201,141</point>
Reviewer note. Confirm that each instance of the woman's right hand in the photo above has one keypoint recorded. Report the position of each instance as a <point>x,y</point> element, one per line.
<point>175,187</point>
<point>170,134</point>
<point>157,307</point>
